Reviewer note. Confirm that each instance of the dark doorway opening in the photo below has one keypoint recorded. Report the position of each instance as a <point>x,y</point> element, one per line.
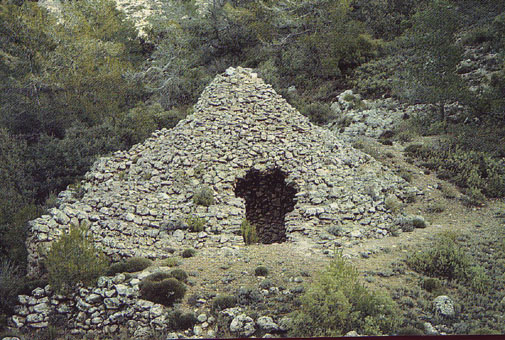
<point>267,201</point>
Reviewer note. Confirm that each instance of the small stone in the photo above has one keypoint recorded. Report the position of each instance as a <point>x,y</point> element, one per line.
<point>352,333</point>
<point>444,306</point>
<point>18,321</point>
<point>202,317</point>
<point>112,303</point>
<point>429,329</point>
<point>178,235</point>
<point>197,330</point>
<point>267,324</point>
<point>38,293</point>
<point>93,298</point>
<point>243,325</point>
<point>42,308</point>
<point>34,318</point>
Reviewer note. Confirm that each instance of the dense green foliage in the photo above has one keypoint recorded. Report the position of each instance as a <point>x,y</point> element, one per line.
<point>248,232</point>
<point>337,302</point>
<point>162,289</point>
<point>447,259</point>
<point>131,265</point>
<point>74,258</point>
<point>221,302</point>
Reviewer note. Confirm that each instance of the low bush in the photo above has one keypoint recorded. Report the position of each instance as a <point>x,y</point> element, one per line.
<point>131,265</point>
<point>261,271</point>
<point>179,274</point>
<point>405,331</point>
<point>337,302</point>
<point>74,258</point>
<point>179,321</point>
<point>162,290</point>
<point>431,284</point>
<point>318,113</point>
<point>186,253</point>
<point>196,224</point>
<point>477,171</point>
<point>204,196</point>
<point>480,282</point>
<point>170,262</point>
<point>393,204</point>
<point>248,231</point>
<point>221,302</point>
<point>445,259</point>
<point>10,285</point>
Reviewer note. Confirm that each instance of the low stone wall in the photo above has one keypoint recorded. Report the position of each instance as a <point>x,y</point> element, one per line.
<point>112,304</point>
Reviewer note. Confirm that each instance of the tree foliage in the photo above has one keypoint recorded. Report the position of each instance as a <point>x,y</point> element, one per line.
<point>431,74</point>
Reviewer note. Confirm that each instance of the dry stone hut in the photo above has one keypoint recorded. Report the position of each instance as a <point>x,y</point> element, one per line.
<point>261,160</point>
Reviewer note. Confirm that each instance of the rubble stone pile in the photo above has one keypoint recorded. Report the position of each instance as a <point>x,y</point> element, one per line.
<point>261,159</point>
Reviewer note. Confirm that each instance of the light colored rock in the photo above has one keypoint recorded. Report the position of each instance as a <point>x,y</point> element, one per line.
<point>202,317</point>
<point>112,303</point>
<point>243,325</point>
<point>178,235</point>
<point>267,324</point>
<point>429,329</point>
<point>444,306</point>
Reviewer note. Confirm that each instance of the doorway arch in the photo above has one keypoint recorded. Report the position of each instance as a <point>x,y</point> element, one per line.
<point>268,198</point>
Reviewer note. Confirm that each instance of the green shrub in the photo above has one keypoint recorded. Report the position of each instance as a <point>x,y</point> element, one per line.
<point>204,195</point>
<point>431,284</point>
<point>418,222</point>
<point>10,285</point>
<point>136,264</point>
<point>74,258</point>
<point>480,282</point>
<point>444,259</point>
<point>131,265</point>
<point>170,262</point>
<point>163,290</point>
<point>188,253</point>
<point>318,113</point>
<point>261,271</point>
<point>475,170</point>
<point>196,224</point>
<point>482,331</point>
<point>179,274</point>
<point>337,302</point>
<point>405,331</point>
<point>221,302</point>
<point>158,276</point>
<point>179,321</point>
<point>393,204</point>
<point>248,232</point>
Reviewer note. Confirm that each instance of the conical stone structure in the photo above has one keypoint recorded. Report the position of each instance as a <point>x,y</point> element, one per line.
<point>258,158</point>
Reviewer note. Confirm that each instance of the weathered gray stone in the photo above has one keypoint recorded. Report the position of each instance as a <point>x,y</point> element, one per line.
<point>444,306</point>
<point>93,298</point>
<point>112,303</point>
<point>267,324</point>
<point>243,325</point>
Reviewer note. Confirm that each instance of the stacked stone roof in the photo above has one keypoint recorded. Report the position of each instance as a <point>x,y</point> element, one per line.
<point>136,201</point>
